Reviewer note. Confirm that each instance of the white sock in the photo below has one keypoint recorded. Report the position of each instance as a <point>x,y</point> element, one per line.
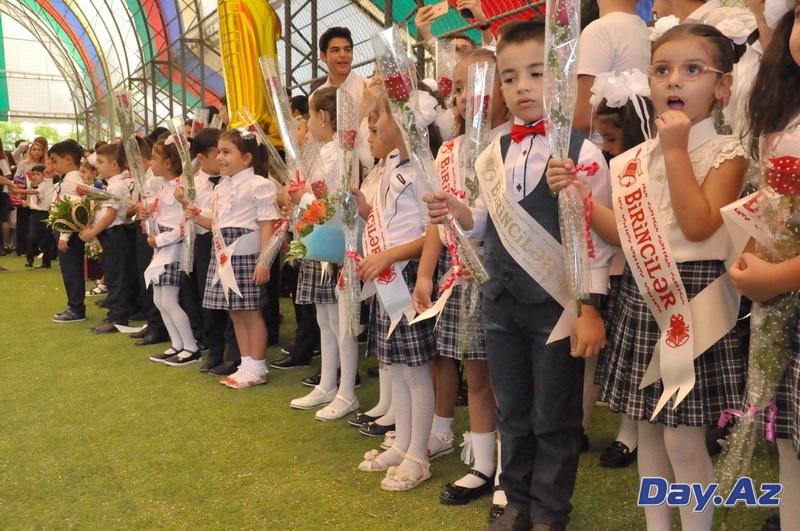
<point>258,367</point>
<point>328,345</point>
<point>401,404</point>
<point>483,448</point>
<point>420,385</point>
<point>499,496</point>
<point>627,434</point>
<point>789,467</point>
<point>654,462</point>
<point>442,426</point>
<point>385,397</point>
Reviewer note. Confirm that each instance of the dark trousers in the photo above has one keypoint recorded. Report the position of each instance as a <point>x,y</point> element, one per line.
<point>40,237</point>
<point>271,312</point>
<point>23,217</point>
<point>144,254</point>
<point>115,262</point>
<point>306,338</point>
<point>131,278</point>
<point>539,390</point>
<point>72,273</point>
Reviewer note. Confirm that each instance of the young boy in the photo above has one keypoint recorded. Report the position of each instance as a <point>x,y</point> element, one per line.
<point>40,237</point>
<point>109,228</point>
<point>538,385</point>
<point>65,158</point>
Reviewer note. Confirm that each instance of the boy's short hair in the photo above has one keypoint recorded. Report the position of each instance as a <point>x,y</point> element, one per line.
<point>463,36</point>
<point>113,152</point>
<point>38,168</point>
<point>66,148</point>
<point>518,32</point>
<point>299,104</point>
<point>333,33</point>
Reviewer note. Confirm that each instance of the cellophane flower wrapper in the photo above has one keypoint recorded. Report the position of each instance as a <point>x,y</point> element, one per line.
<point>398,75</point>
<point>124,114</point>
<point>99,196</point>
<point>347,128</point>
<point>477,126</point>
<point>279,169</point>
<point>562,27</point>
<point>187,180</point>
<point>70,215</point>
<point>445,64</point>
<point>94,251</point>
<point>772,323</point>
<point>199,121</point>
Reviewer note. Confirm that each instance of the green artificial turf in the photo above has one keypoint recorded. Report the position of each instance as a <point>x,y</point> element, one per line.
<point>95,436</point>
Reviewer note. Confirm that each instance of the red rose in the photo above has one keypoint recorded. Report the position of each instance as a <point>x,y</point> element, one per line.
<point>347,138</point>
<point>783,175</point>
<point>563,9</point>
<point>319,189</point>
<point>482,108</point>
<point>445,86</point>
<point>398,87</point>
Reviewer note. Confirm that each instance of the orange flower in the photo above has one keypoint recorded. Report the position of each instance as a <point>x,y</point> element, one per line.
<point>315,213</point>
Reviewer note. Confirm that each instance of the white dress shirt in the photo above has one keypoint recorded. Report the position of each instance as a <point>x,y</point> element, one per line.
<point>68,188</point>
<point>117,186</point>
<point>204,196</point>
<point>45,192</point>
<point>244,199</point>
<point>168,213</point>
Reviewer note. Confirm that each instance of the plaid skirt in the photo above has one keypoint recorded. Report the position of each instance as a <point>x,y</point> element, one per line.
<point>411,345</point>
<point>447,343</point>
<point>787,396</point>
<point>309,288</point>
<point>253,297</point>
<point>171,276</point>
<point>719,372</point>
<point>607,313</point>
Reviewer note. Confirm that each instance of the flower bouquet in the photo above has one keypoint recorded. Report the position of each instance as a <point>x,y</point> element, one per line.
<point>771,322</point>
<point>70,215</point>
<point>398,77</point>
<point>315,240</point>
<point>93,250</point>
<point>98,195</point>
<point>445,64</point>
<point>562,26</point>
<point>181,143</point>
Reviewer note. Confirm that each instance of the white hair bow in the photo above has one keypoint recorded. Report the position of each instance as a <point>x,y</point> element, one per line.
<point>663,25</point>
<point>619,88</point>
<point>174,138</point>
<point>425,108</point>
<point>249,132</point>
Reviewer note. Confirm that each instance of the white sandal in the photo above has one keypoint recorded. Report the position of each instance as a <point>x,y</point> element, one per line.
<point>397,481</point>
<point>345,408</point>
<point>371,462</point>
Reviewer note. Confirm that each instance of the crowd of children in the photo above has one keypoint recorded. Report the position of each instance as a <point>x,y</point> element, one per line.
<point>533,374</point>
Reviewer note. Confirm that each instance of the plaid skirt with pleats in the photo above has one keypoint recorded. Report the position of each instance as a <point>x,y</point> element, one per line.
<point>787,397</point>
<point>606,313</point>
<point>310,290</point>
<point>719,372</point>
<point>253,297</point>
<point>411,345</point>
<point>171,276</point>
<point>447,340</point>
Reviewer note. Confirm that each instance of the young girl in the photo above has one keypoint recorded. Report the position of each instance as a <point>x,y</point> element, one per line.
<point>318,287</point>
<point>774,112</point>
<point>393,236</point>
<point>244,208</point>
<point>164,269</point>
<point>690,172</point>
<point>478,481</point>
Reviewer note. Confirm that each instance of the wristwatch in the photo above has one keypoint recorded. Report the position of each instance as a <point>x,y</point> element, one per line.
<point>595,299</point>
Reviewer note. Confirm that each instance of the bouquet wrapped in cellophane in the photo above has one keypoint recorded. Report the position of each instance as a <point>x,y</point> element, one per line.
<point>70,214</point>
<point>562,26</point>
<point>445,64</point>
<point>399,81</point>
<point>181,143</point>
<point>772,323</point>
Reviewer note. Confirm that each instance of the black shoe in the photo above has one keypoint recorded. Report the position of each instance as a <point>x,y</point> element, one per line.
<point>618,455</point>
<point>512,519</point>
<point>373,371</point>
<point>161,357</point>
<point>184,357</point>
<point>224,369</point>
<point>101,303</point>
<point>139,316</point>
<point>289,362</point>
<point>210,363</point>
<point>29,263</point>
<point>461,398</point>
<point>713,437</point>
<point>359,419</point>
<point>140,334</point>
<point>452,494</point>
<point>773,523</point>
<point>585,443</point>
<point>151,339</point>
<point>313,381</point>
<point>68,316</point>
<point>106,327</point>
<point>495,512</point>
<point>373,429</point>
<point>43,265</point>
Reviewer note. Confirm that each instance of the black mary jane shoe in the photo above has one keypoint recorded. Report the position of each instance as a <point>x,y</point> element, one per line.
<point>453,494</point>
<point>618,455</point>
<point>496,510</point>
<point>373,429</point>
<point>359,419</point>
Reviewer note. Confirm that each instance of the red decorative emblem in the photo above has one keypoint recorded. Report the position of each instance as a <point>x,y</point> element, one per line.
<point>386,276</point>
<point>631,172</point>
<point>783,175</point>
<point>223,259</point>
<point>678,332</point>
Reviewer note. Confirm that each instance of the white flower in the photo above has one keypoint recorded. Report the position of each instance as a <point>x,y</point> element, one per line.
<point>775,9</point>
<point>617,89</point>
<point>662,25</point>
<point>736,23</point>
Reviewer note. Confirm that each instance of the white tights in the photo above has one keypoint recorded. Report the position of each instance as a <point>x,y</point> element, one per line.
<point>789,467</point>
<point>336,351</point>
<point>676,454</point>
<point>175,320</point>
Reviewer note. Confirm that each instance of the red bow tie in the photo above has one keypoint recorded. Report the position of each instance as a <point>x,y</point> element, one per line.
<point>521,132</point>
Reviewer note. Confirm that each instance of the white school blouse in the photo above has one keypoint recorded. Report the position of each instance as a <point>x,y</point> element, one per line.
<point>45,192</point>
<point>326,169</point>
<point>244,199</point>
<point>169,213</point>
<point>400,193</point>
<point>707,151</point>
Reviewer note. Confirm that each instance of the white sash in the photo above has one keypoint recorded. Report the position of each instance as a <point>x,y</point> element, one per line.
<point>530,245</point>
<point>390,286</point>
<point>161,257</point>
<point>249,243</point>
<point>648,253</point>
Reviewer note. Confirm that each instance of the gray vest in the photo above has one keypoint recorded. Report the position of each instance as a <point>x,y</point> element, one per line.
<point>504,271</point>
